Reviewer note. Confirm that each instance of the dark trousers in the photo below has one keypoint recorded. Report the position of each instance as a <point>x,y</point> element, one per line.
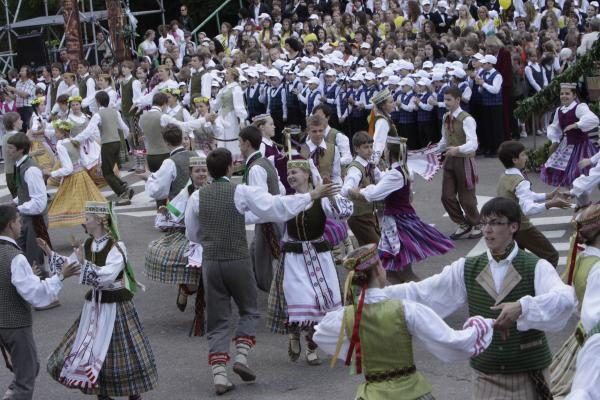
<point>456,198</point>
<point>426,133</point>
<point>12,186</point>
<point>33,227</point>
<point>535,241</point>
<point>109,155</point>
<point>411,133</point>
<point>25,113</point>
<point>155,161</point>
<point>491,123</point>
<point>365,229</point>
<point>20,346</point>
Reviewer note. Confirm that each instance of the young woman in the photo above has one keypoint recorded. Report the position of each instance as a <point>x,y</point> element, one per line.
<point>405,239</point>
<point>148,47</point>
<point>305,286</point>
<point>41,147</point>
<point>465,20</point>
<point>76,187</point>
<point>105,352</point>
<point>204,137</point>
<point>570,139</point>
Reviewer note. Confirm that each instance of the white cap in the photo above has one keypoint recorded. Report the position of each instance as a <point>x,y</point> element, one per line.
<point>565,53</point>
<point>442,3</point>
<point>325,47</point>
<point>315,60</point>
<point>489,59</point>
<point>330,72</point>
<point>426,2</point>
<point>357,77</point>
<point>424,82</point>
<point>251,73</point>
<point>337,54</point>
<point>369,76</point>
<point>314,80</point>
<point>279,64</point>
<point>338,61</point>
<point>478,56</point>
<point>313,16</point>
<point>264,16</point>
<point>459,73</point>
<point>422,74</point>
<point>394,80</point>
<point>365,45</point>
<point>379,63</point>
<point>436,77</point>
<point>410,66</point>
<point>457,64</point>
<point>273,73</point>
<point>41,85</point>
<point>407,82</point>
<point>595,4</point>
<point>427,64</point>
<point>493,14</point>
<point>261,68</point>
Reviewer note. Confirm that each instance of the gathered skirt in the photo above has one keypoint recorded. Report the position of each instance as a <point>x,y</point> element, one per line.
<point>68,206</point>
<point>42,155</point>
<point>167,262</point>
<point>129,367</point>
<point>562,369</point>
<point>558,178</point>
<point>409,240</point>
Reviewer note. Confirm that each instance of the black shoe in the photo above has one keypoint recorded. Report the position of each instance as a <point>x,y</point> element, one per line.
<point>244,372</point>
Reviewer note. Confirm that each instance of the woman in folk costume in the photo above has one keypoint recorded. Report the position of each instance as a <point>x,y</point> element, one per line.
<point>232,110</point>
<point>76,187</point>
<point>381,125</point>
<point>172,259</point>
<point>405,239</point>
<point>204,137</point>
<point>174,107</point>
<point>374,333</point>
<point>583,273</point>
<point>305,286</point>
<point>570,140</point>
<point>106,352</point>
<point>41,150</point>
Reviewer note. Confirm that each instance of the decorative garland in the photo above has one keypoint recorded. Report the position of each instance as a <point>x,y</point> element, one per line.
<point>548,97</point>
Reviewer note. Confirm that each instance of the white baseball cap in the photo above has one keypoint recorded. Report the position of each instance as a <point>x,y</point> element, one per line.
<point>442,3</point>
<point>394,80</point>
<point>330,72</point>
<point>427,64</point>
<point>313,16</point>
<point>365,45</point>
<point>314,80</point>
<point>490,59</point>
<point>459,73</point>
<point>424,82</point>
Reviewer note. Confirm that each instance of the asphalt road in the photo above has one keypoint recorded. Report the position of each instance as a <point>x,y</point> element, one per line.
<point>182,361</point>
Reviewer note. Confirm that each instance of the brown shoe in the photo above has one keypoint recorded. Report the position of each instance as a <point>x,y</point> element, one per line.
<point>244,372</point>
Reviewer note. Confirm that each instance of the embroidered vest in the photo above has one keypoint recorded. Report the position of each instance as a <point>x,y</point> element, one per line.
<point>99,259</point>
<point>309,225</point>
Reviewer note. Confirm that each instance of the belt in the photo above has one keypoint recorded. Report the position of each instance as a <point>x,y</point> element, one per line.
<point>320,246</point>
<point>390,374</point>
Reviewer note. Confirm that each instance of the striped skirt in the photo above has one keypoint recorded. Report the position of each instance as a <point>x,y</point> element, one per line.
<point>505,386</point>
<point>417,239</point>
<point>166,260</point>
<point>562,369</point>
<point>558,178</point>
<point>277,315</point>
<point>129,367</point>
<point>335,231</point>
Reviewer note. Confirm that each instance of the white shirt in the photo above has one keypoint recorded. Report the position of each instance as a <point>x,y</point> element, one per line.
<point>469,127</point>
<point>257,176</point>
<point>336,172</point>
<point>146,100</point>
<point>585,184</point>
<point>422,322</point>
<point>90,99</point>
<point>531,203</point>
<point>37,292</point>
<point>343,145</point>
<point>382,127</point>
<point>391,181</point>
<point>353,176</point>
<point>257,205</point>
<point>587,120</point>
<point>37,190</point>
<point>496,85</point>
<point>549,310</point>
<point>159,182</point>
<point>66,165</point>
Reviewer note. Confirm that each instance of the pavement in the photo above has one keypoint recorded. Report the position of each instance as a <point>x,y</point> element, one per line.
<point>182,360</point>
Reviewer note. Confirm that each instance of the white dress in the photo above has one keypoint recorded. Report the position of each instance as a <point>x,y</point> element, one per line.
<point>233,113</point>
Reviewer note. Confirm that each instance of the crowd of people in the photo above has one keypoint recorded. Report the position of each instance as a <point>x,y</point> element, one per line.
<point>326,110</point>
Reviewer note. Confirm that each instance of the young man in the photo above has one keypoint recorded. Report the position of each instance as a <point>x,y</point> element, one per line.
<point>19,289</point>
<point>522,292</point>
<point>217,214</point>
<point>152,128</point>
<point>514,186</point>
<point>362,173</point>
<point>325,156</point>
<point>87,86</point>
<point>260,172</point>
<point>459,141</point>
<point>333,135</point>
<point>31,198</point>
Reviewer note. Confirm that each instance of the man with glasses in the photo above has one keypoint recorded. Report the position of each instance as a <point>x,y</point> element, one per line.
<point>521,291</point>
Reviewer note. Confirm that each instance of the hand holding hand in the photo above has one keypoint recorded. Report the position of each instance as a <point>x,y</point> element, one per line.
<point>558,202</point>
<point>71,269</point>
<point>326,190</point>
<point>584,163</point>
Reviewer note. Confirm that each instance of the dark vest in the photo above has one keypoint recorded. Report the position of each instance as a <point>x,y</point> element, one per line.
<point>309,225</point>
<point>406,117</point>
<point>54,91</point>
<point>255,107</point>
<point>15,312</point>
<point>487,98</point>
<point>82,86</point>
<point>23,189</point>
<point>362,207</point>
<point>223,233</point>
<point>272,179</point>
<point>424,115</point>
<point>127,97</point>
<point>398,202</point>
<point>196,83</point>
<point>99,259</point>
<point>275,100</point>
<point>181,159</point>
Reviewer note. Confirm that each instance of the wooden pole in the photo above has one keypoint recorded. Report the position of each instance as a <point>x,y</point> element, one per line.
<point>115,26</point>
<point>73,42</point>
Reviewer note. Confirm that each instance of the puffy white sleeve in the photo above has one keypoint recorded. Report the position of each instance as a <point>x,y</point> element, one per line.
<point>268,208</point>
<point>257,176</point>
<point>327,332</point>
<point>238,104</point>
<point>391,181</point>
<point>551,307</point>
<point>587,119</point>
<point>351,181</point>
<point>192,225</point>
<point>337,207</point>
<point>37,292</point>
<point>553,130</point>
<point>379,138</point>
<point>343,144</point>
<point>99,278</point>
<point>590,307</point>
<point>587,373</point>
<point>159,182</point>
<point>66,166</point>
<point>528,200</point>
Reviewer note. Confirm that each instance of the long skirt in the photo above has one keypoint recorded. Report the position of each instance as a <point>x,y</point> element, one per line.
<point>558,178</point>
<point>68,206</point>
<point>166,260</point>
<point>335,231</point>
<point>42,154</point>
<point>129,367</point>
<point>405,239</point>
<point>562,369</point>
<point>96,174</point>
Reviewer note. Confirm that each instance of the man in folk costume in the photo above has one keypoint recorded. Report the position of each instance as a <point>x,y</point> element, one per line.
<point>459,141</point>
<point>105,352</point>
<point>333,135</point>
<point>87,86</point>
<point>53,88</point>
<point>260,172</point>
<point>130,90</point>
<point>382,124</point>
<point>20,289</point>
<point>215,217</point>
<point>580,353</point>
<point>200,80</point>
<point>31,198</point>
<point>324,154</point>
<point>521,291</point>
<point>151,124</point>
<point>377,331</point>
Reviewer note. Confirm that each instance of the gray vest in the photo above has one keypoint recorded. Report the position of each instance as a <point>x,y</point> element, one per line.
<point>272,178</point>
<point>182,165</point>
<point>223,234</point>
<point>23,189</point>
<point>15,312</point>
<point>150,126</point>
<point>127,97</point>
<point>109,130</point>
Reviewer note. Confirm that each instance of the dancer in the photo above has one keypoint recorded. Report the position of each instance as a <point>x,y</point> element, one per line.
<point>405,238</point>
<point>585,184</point>
<point>214,217</point>
<point>20,289</point>
<point>383,125</point>
<point>105,352</point>
<point>305,286</point>
<point>76,187</point>
<point>40,150</point>
<point>459,142</point>
<point>570,140</point>
<point>204,136</point>
<point>379,331</point>
<point>12,125</point>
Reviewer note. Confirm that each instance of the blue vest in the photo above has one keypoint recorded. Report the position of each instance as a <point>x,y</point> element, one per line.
<point>395,115</point>
<point>487,98</point>
<point>343,99</point>
<point>291,99</point>
<point>255,107</point>
<point>441,107</point>
<point>422,115</point>
<point>330,93</point>
<point>462,87</point>
<point>370,92</point>
<point>275,102</point>
<point>406,117</point>
<point>356,112</point>
<point>310,101</point>
<point>476,96</point>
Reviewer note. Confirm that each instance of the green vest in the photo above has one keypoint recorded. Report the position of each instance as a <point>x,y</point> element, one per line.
<point>386,346</point>
<point>54,90</point>
<point>272,178</point>
<point>227,100</point>
<point>506,188</point>
<point>522,351</point>
<point>109,130</point>
<point>196,84</point>
<point>82,86</point>
<point>456,136</point>
<point>150,125</point>
<point>127,97</point>
<point>362,207</point>
<point>181,159</point>
<point>583,266</point>
<point>325,167</point>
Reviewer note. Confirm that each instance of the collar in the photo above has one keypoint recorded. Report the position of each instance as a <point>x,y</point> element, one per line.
<point>101,240</point>
<point>21,160</point>
<point>513,171</point>
<point>175,109</point>
<point>361,161</point>
<point>267,141</point>
<point>221,179</point>
<point>327,130</point>
<point>506,261</point>
<point>252,155</point>
<point>126,79</point>
<point>375,295</point>
<point>8,239</point>
<point>589,250</point>
<point>156,108</point>
<point>312,147</point>
<point>569,107</point>
<point>86,75</point>
<point>57,78</point>
<point>456,112</point>
<point>175,150</point>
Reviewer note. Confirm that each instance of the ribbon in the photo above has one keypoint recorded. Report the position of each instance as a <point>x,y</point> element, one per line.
<point>355,340</point>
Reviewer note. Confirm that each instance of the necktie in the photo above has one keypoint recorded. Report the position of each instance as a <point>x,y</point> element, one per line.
<point>450,122</point>
<point>370,172</point>
<point>316,155</point>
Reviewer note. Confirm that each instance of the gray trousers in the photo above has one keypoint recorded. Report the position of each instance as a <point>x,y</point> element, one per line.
<point>224,280</point>
<point>27,241</point>
<point>21,348</point>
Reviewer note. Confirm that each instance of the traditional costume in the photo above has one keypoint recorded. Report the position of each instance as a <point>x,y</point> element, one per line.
<point>378,331</point>
<point>41,147</point>
<point>106,352</point>
<point>232,110</point>
<point>585,184</point>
